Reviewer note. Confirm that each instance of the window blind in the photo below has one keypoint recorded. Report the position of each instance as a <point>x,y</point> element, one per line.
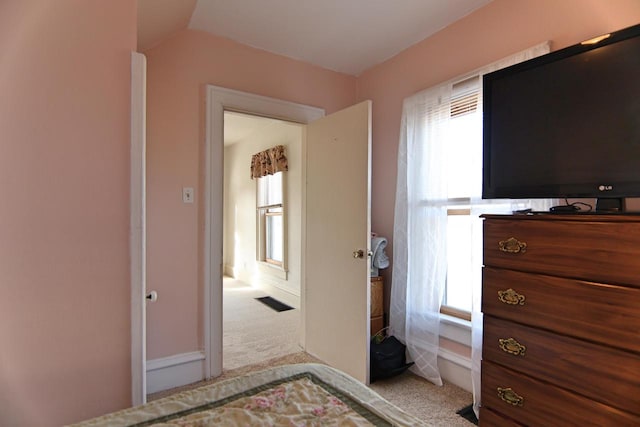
<point>465,96</point>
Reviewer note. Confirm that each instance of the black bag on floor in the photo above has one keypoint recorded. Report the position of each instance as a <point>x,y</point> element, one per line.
<point>387,358</point>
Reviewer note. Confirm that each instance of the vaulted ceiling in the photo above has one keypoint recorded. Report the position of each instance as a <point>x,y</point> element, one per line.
<point>347,36</point>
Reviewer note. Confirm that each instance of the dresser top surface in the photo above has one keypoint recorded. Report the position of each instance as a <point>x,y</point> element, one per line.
<point>580,217</point>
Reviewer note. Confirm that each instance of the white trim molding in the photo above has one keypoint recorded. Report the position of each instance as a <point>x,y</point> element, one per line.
<point>175,371</point>
<point>220,99</point>
<point>455,369</point>
<point>137,225</point>
<point>229,270</point>
<point>455,329</point>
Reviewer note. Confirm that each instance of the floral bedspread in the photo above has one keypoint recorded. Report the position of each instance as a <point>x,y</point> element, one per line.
<point>297,395</point>
<point>296,403</point>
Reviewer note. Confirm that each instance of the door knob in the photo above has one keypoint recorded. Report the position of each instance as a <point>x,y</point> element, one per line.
<point>152,296</point>
<point>360,253</point>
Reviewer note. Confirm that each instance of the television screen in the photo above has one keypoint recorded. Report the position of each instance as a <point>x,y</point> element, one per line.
<point>566,124</point>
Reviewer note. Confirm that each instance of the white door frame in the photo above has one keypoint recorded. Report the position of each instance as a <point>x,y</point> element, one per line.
<point>220,99</point>
<point>137,225</point>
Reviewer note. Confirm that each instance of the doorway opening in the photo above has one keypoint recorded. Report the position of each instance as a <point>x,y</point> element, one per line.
<point>329,236</point>
<point>252,331</point>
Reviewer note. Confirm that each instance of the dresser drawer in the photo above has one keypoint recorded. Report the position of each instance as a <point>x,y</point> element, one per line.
<point>535,403</point>
<point>569,363</point>
<point>606,314</point>
<point>606,252</point>
<point>488,418</point>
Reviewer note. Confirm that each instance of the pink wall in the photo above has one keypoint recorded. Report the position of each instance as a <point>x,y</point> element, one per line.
<point>64,179</point>
<point>177,72</point>
<point>499,29</point>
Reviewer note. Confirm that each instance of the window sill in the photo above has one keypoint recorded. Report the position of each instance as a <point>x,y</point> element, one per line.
<point>272,270</point>
<point>455,329</point>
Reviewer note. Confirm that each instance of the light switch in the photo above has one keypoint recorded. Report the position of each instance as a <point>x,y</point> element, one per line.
<point>187,194</point>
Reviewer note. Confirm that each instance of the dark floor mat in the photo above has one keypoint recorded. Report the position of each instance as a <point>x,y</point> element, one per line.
<point>468,414</point>
<point>274,303</point>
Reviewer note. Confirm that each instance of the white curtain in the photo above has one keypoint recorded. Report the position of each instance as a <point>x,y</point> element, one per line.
<point>420,225</point>
<point>419,256</point>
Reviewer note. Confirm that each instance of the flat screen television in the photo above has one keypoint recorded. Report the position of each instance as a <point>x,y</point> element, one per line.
<point>566,124</point>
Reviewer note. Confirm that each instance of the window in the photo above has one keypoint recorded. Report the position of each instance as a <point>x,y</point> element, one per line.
<point>463,154</point>
<point>463,145</point>
<point>437,228</point>
<point>271,220</point>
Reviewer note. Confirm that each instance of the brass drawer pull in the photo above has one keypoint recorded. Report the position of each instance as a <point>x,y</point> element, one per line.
<point>510,396</point>
<point>512,346</point>
<point>512,246</point>
<point>511,297</point>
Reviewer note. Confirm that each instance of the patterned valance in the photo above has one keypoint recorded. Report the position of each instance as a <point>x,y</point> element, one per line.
<point>268,162</point>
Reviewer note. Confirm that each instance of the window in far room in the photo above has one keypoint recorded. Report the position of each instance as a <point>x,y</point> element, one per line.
<point>271,220</point>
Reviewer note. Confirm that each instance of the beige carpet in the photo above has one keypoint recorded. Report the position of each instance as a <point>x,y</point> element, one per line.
<point>257,337</point>
<point>422,399</point>
<point>252,331</point>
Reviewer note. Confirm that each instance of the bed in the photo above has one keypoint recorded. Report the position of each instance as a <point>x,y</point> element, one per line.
<point>291,395</point>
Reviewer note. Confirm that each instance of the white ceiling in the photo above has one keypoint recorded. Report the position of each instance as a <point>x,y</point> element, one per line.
<point>348,36</point>
<point>240,127</point>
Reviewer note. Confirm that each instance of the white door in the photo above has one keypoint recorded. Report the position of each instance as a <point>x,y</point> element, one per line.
<point>337,240</point>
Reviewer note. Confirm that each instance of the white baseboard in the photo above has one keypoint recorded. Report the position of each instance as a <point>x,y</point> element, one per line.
<point>229,270</point>
<point>175,371</point>
<point>455,369</point>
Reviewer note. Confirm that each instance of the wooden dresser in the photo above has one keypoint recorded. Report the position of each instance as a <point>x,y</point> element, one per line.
<point>561,303</point>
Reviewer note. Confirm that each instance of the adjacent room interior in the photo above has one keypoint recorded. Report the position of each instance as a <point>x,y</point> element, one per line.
<point>261,242</point>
